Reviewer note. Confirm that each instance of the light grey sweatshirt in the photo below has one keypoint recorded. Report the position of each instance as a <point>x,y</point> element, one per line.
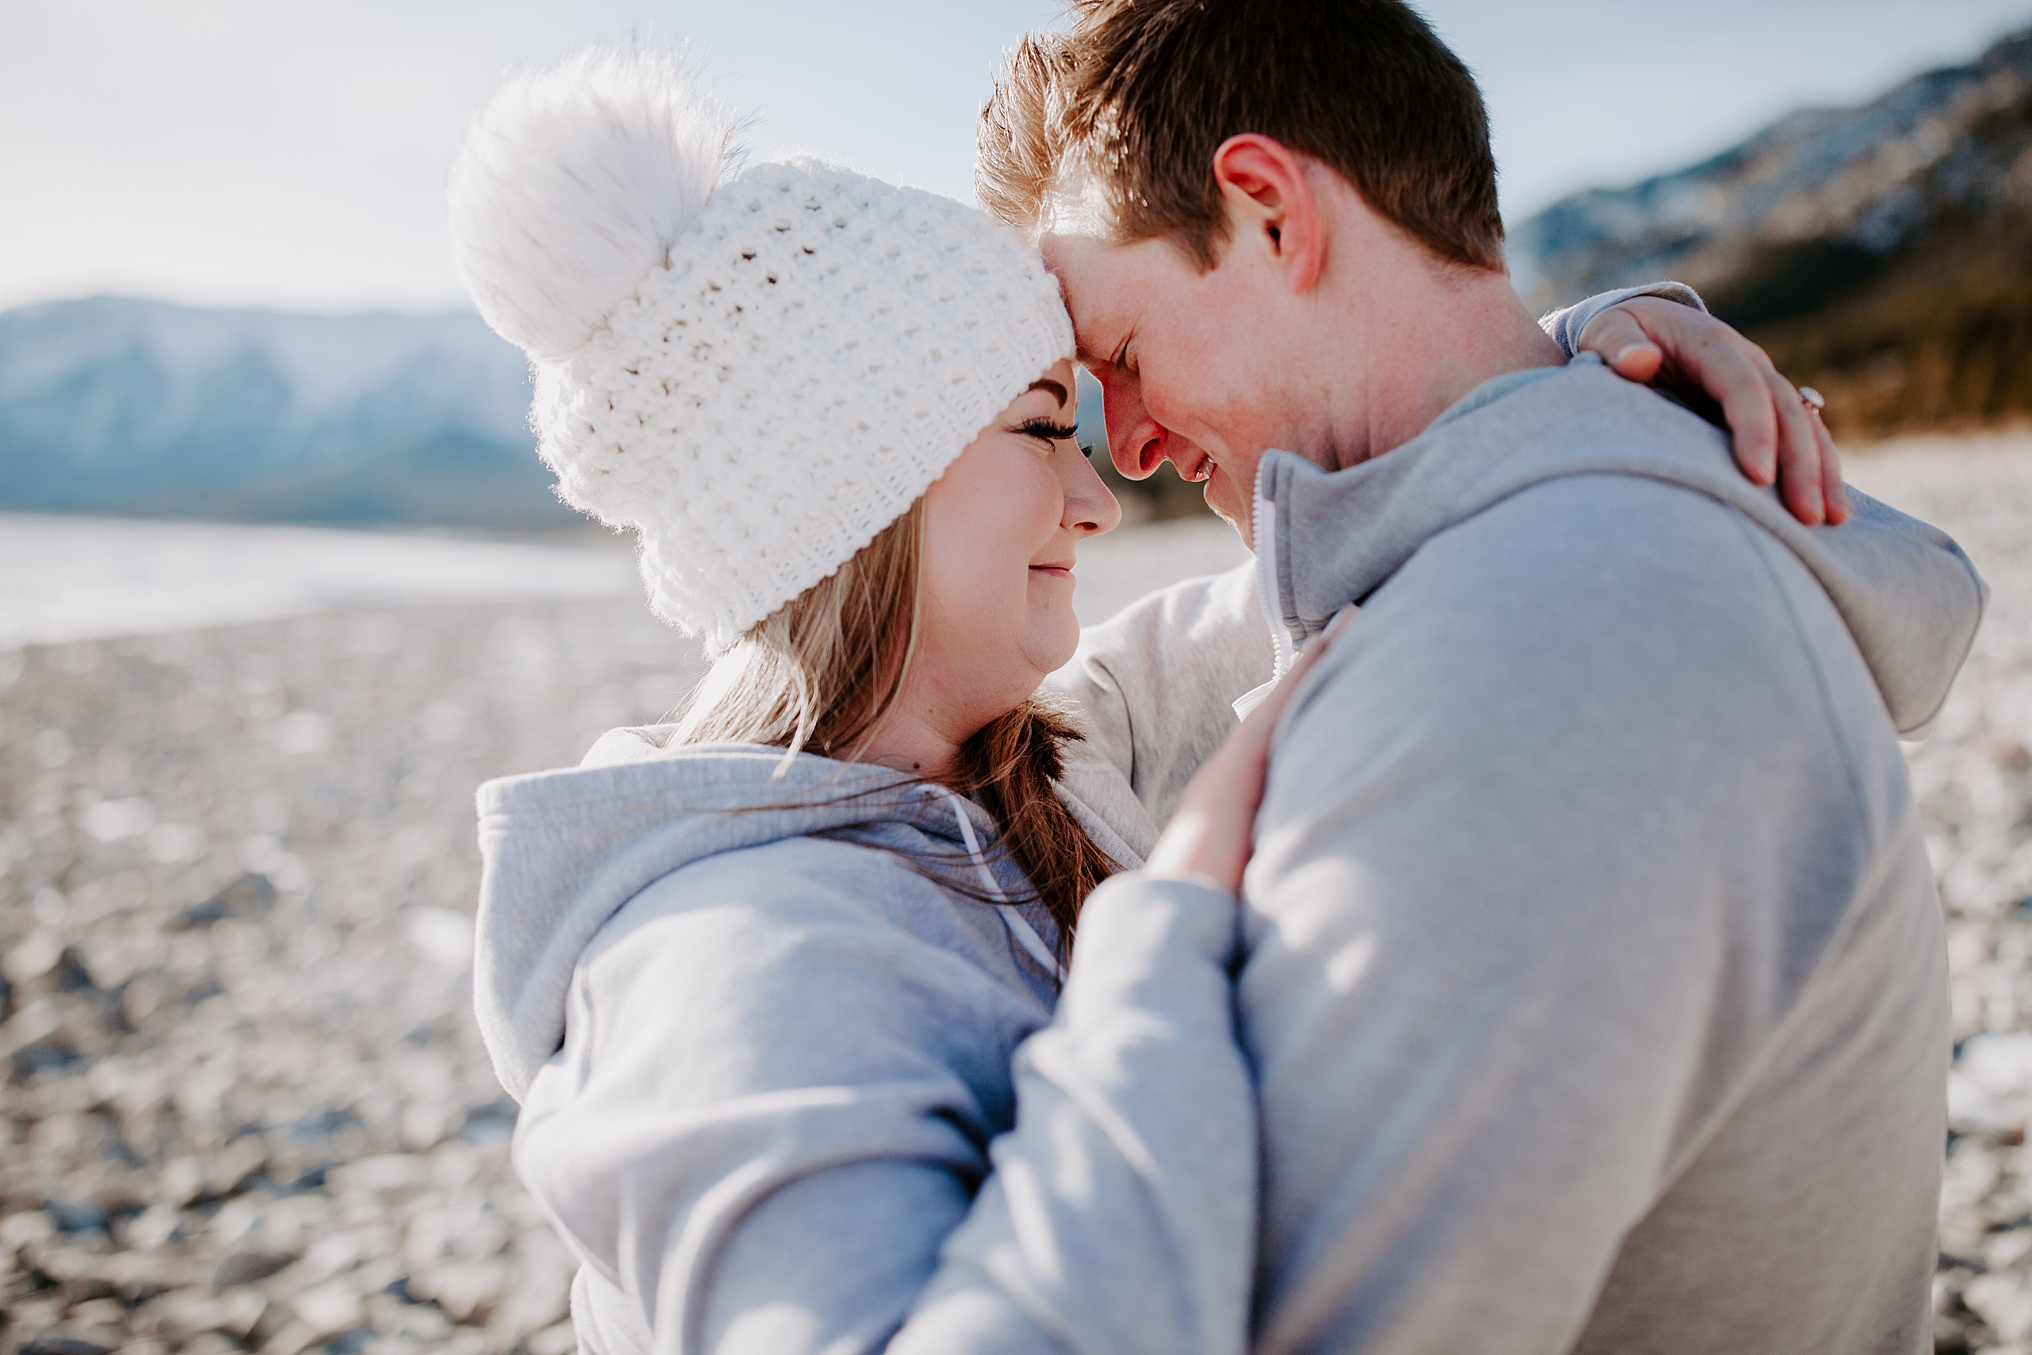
<point>767,1068</point>
<point>1595,985</point>
<point>771,1087</point>
<point>772,1095</point>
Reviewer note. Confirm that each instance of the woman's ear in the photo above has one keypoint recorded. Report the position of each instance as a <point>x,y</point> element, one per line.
<point>1270,203</point>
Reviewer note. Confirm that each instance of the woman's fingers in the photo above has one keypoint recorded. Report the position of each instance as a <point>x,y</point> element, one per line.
<point>1620,340</point>
<point>1799,459</point>
<point>1705,359</point>
<point>1777,437</point>
<point>1617,338</point>
<point>1259,726</point>
<point>1839,507</point>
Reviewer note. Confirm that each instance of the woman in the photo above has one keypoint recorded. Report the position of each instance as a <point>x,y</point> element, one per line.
<point>783,990</point>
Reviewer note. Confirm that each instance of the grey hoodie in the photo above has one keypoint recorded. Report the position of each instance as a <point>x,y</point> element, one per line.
<point>1595,984</point>
<point>787,1055</point>
<point>772,1093</point>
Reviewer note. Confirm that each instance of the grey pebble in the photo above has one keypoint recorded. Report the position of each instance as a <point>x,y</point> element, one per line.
<point>247,1105</point>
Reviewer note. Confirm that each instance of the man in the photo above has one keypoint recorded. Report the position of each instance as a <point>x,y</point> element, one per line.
<point>1595,984</point>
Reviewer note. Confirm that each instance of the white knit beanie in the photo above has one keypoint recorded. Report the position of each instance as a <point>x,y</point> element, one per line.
<point>757,371</point>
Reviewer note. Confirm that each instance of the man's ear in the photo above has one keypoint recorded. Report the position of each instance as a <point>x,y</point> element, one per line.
<point>1269,199</point>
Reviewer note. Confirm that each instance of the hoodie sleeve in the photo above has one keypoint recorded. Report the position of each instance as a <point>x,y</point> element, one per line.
<point>772,1126</point>
<point>1155,686</point>
<point>1565,326</point>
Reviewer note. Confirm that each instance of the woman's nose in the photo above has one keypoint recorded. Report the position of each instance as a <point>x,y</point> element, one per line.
<point>1090,507</point>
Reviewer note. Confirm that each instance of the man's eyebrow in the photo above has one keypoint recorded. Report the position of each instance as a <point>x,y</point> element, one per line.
<point>1045,383</point>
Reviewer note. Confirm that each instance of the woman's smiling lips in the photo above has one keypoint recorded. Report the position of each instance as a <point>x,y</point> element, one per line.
<point>1059,570</point>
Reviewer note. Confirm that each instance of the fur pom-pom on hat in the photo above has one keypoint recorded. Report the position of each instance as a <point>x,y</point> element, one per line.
<point>756,371</point>
<point>574,182</point>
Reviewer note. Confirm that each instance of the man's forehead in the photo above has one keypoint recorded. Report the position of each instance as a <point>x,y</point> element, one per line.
<point>1090,277</point>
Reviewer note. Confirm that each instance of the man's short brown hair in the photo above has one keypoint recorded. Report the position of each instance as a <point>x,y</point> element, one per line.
<point>1137,95</point>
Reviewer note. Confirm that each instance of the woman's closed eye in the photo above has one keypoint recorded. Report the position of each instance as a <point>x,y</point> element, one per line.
<point>1047,430</point>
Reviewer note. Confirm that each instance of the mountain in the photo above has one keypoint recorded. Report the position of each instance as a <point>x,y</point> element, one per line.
<point>143,408</point>
<point>1882,253</point>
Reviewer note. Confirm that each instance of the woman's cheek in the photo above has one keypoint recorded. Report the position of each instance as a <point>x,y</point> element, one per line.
<point>979,605</point>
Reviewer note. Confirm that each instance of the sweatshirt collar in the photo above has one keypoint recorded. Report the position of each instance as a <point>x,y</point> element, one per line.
<point>1496,387</point>
<point>1325,539</point>
<point>1277,478</point>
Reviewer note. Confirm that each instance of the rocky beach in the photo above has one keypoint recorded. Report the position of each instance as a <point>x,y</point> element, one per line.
<point>245,1106</point>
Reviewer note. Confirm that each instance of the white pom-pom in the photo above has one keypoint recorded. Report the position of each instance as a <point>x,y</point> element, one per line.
<point>574,182</point>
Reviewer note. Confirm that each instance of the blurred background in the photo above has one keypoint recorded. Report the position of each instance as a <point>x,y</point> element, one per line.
<point>281,579</point>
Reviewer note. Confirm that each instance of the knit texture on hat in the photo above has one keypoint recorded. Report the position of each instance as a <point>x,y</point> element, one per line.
<point>813,351</point>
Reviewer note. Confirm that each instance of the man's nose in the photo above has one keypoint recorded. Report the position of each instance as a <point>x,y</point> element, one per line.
<point>1135,440</point>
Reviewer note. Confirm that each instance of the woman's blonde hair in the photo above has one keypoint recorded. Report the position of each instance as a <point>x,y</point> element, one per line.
<point>823,671</point>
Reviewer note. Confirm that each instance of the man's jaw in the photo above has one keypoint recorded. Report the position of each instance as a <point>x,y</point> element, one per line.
<point>1230,501</point>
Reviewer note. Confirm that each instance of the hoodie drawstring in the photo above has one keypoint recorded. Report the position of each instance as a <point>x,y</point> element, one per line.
<point>1019,926</point>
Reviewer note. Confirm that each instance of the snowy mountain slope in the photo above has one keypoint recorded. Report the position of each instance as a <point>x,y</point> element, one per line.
<point>1882,253</point>
<point>140,407</point>
<point>1862,181</point>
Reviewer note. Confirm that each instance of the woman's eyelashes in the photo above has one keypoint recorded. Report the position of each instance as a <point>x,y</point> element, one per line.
<point>1048,430</point>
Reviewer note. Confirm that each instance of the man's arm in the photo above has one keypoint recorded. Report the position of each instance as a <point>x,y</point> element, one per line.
<point>1550,846</point>
<point>1155,686</point>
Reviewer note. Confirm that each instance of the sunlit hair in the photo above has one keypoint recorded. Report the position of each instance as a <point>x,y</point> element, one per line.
<point>824,670</point>
<point>1109,125</point>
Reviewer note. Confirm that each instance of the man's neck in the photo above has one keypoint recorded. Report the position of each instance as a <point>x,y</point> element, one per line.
<point>1424,346</point>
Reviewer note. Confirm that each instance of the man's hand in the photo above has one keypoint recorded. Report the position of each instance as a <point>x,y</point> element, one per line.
<point>1778,436</point>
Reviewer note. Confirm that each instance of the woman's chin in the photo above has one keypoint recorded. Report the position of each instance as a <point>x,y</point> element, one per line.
<point>1052,651</point>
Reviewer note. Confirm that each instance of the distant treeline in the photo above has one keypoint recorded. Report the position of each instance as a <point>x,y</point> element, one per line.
<point>1937,336</point>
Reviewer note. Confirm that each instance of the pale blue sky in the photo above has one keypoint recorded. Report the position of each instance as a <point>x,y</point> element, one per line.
<point>245,152</point>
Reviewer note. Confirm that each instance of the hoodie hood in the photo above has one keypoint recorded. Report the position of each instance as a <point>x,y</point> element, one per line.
<point>563,851</point>
<point>1911,599</point>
